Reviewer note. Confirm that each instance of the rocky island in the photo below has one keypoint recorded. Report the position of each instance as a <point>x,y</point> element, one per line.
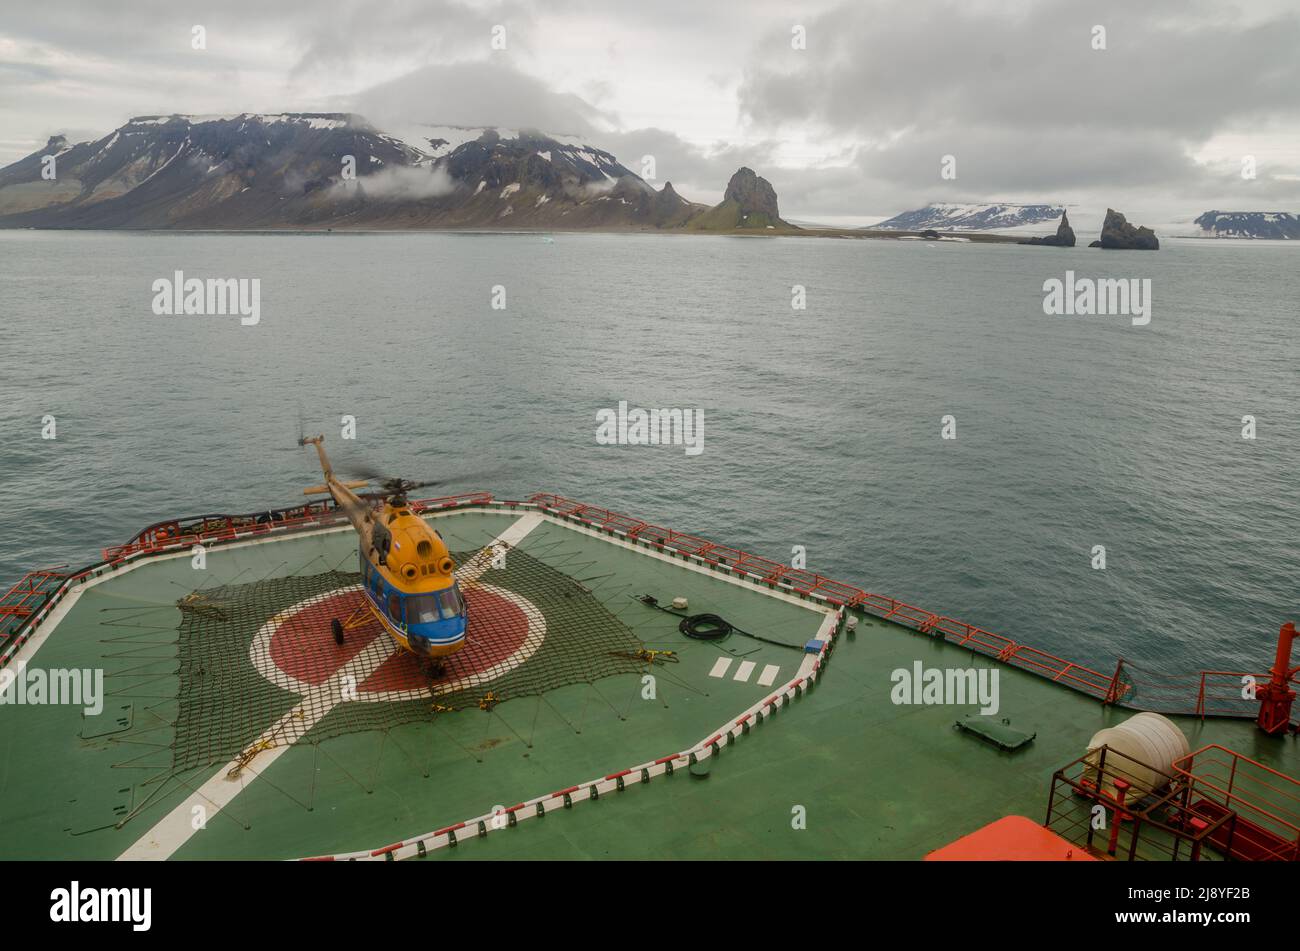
<point>749,202</point>
<point>1064,237</point>
<point>1118,234</point>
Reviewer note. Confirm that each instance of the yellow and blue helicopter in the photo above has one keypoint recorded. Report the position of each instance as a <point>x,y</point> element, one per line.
<point>407,573</point>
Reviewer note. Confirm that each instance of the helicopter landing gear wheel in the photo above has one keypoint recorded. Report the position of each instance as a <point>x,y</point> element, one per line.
<point>337,627</point>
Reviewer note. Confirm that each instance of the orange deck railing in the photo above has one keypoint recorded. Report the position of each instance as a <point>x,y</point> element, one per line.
<point>1118,687</point>
<point>25,598</point>
<point>838,593</point>
<point>1266,803</point>
<point>200,529</point>
<point>1209,693</point>
<point>1144,820</point>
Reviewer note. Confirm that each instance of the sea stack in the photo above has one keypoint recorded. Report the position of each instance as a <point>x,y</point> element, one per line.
<point>1119,235</point>
<point>1064,237</point>
<point>749,202</point>
<point>754,195</point>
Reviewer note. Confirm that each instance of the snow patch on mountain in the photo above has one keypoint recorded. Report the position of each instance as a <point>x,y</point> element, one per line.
<point>312,120</point>
<point>437,141</point>
<point>971,216</point>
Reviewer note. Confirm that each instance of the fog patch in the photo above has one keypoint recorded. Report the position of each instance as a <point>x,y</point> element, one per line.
<point>399,183</point>
<point>595,189</point>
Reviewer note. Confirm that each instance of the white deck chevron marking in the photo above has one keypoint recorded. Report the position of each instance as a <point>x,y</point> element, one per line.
<point>743,671</point>
<point>768,676</point>
<point>720,667</point>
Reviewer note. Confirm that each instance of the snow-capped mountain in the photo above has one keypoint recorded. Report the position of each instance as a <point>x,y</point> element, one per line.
<point>327,170</point>
<point>438,141</point>
<point>961,216</point>
<point>1278,225</point>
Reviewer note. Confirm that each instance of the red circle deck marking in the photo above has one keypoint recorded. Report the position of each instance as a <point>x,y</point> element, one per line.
<point>296,649</point>
<point>496,630</point>
<point>303,643</point>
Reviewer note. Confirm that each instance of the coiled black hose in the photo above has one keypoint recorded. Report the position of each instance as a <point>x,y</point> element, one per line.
<point>705,627</point>
<point>709,627</point>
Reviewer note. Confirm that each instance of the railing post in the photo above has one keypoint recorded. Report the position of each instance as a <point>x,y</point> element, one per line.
<point>1184,810</point>
<point>1112,690</point>
<point>1096,790</point>
<point>1276,697</point>
<point>1121,789</point>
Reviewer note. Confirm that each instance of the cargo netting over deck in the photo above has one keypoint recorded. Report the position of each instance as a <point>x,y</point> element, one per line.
<point>259,666</point>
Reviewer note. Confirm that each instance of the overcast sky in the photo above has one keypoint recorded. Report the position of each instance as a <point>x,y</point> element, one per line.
<point>856,124</point>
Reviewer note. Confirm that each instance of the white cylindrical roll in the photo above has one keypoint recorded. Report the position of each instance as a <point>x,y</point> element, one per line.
<point>1148,745</point>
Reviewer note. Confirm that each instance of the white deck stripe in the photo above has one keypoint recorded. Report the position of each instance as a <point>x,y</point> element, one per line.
<point>743,671</point>
<point>174,829</point>
<point>720,667</point>
<point>824,633</point>
<point>768,676</point>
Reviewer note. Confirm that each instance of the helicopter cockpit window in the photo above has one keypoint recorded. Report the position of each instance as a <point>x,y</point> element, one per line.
<point>427,608</point>
<point>422,608</point>
<point>450,601</point>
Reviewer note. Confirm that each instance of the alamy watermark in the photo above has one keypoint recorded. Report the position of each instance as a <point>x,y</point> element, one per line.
<point>77,903</point>
<point>1087,297</point>
<point>216,295</point>
<point>651,427</point>
<point>946,686</point>
<point>56,687</point>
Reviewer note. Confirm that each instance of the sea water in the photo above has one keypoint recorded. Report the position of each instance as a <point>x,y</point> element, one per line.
<point>490,358</point>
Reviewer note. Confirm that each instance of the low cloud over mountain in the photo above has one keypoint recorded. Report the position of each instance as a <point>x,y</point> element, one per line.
<point>338,170</point>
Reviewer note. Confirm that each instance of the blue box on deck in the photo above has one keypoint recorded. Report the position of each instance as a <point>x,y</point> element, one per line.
<point>814,646</point>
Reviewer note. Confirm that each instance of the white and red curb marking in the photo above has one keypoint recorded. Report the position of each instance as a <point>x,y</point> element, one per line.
<point>47,618</point>
<point>421,845</point>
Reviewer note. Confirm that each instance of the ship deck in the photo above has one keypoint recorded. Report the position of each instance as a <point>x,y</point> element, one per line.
<point>776,733</point>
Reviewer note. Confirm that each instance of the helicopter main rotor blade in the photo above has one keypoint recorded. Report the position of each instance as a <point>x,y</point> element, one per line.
<point>367,472</point>
<point>477,475</point>
<point>390,486</point>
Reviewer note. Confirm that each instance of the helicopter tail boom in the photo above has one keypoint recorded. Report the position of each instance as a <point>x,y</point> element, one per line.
<point>352,506</point>
<point>319,443</point>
